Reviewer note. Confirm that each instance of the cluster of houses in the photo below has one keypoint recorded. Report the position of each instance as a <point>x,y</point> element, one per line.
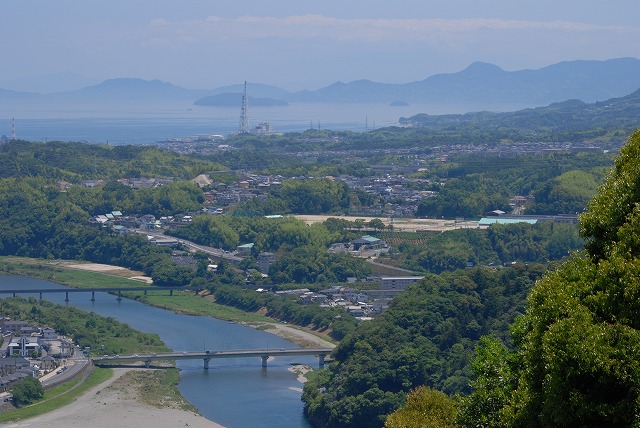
<point>363,304</point>
<point>250,186</point>
<point>29,351</point>
<point>395,194</point>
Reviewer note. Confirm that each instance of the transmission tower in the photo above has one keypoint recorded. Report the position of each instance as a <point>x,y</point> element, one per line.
<point>13,129</point>
<point>244,112</point>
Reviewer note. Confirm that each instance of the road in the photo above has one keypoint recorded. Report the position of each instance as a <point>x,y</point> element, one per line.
<point>73,366</point>
<point>215,252</point>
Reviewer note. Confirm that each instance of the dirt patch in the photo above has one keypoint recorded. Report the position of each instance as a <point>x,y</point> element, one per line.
<point>303,338</point>
<point>107,269</point>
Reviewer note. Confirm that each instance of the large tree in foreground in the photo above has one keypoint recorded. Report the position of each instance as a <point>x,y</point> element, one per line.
<point>577,349</point>
<point>27,391</point>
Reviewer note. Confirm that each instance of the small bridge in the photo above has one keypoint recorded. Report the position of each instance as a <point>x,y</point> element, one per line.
<point>118,290</point>
<point>207,356</point>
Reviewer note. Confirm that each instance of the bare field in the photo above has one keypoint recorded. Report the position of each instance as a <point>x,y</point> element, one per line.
<point>401,224</point>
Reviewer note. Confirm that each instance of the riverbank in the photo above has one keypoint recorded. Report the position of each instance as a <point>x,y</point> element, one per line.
<point>54,271</point>
<point>117,399</point>
<point>84,275</point>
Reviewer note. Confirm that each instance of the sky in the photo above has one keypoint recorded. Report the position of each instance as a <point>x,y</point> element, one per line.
<point>47,46</point>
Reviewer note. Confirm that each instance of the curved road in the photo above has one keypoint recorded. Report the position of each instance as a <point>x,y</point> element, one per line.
<point>215,252</point>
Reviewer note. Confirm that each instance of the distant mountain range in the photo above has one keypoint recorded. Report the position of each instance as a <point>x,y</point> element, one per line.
<point>479,84</point>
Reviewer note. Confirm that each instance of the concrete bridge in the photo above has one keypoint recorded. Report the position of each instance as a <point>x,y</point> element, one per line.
<point>118,290</point>
<point>207,356</point>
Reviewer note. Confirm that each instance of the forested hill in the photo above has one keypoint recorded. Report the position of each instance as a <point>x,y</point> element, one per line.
<point>426,337</point>
<point>613,118</point>
<point>80,161</point>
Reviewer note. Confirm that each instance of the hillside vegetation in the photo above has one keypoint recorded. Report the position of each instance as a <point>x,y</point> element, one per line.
<point>568,120</point>
<point>572,360</point>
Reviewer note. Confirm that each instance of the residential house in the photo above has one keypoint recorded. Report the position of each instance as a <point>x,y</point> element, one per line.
<point>49,334</point>
<point>10,365</point>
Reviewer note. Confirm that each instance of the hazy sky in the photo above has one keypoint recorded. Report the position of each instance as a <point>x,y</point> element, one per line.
<point>302,44</point>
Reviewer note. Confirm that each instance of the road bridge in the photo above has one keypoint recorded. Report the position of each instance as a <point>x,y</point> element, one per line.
<point>207,356</point>
<point>93,291</point>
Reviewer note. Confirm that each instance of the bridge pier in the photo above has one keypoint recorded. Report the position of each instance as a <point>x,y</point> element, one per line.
<point>206,363</point>
<point>93,296</point>
<point>66,296</point>
<point>265,358</point>
<point>321,361</point>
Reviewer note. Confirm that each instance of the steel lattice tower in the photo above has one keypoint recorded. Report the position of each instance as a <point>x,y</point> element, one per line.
<point>244,112</point>
<point>13,129</point>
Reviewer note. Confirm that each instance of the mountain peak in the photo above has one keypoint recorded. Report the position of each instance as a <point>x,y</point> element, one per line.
<point>483,68</point>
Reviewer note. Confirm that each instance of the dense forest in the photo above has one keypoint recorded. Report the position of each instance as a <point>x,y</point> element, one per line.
<point>574,359</point>
<point>426,337</point>
<point>471,185</point>
<point>499,244</point>
<point>76,161</point>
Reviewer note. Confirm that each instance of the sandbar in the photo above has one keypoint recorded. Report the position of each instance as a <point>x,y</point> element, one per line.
<point>109,405</point>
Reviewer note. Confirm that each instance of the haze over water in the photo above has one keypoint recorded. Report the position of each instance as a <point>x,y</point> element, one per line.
<point>133,123</point>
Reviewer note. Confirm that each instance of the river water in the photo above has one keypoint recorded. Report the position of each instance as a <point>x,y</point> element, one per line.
<point>235,392</point>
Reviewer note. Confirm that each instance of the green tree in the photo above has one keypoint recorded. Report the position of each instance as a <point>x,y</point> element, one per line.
<point>495,369</point>
<point>376,224</point>
<point>425,407</point>
<point>579,341</point>
<point>27,391</point>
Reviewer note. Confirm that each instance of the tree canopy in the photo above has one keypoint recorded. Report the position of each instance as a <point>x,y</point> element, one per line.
<point>577,346</point>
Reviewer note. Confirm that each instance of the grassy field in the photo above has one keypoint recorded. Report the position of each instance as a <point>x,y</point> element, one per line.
<point>57,397</point>
<point>187,303</point>
<point>58,273</point>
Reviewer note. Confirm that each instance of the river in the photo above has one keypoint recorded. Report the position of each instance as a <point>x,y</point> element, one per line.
<point>233,392</point>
